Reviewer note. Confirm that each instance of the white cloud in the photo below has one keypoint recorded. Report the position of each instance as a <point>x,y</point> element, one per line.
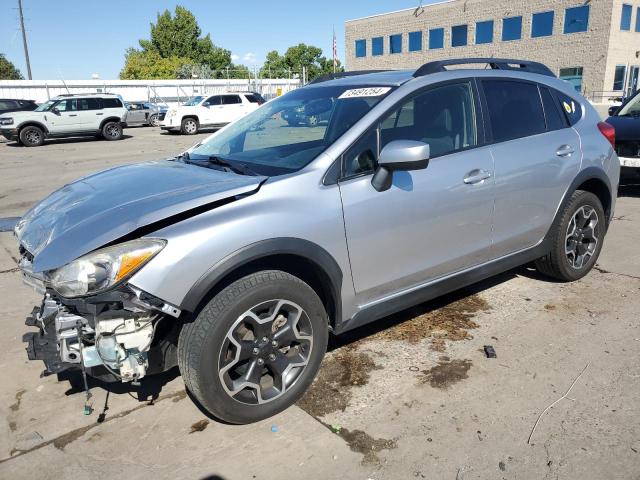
<point>249,57</point>
<point>234,57</point>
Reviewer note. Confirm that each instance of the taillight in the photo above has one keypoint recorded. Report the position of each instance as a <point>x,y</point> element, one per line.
<point>608,131</point>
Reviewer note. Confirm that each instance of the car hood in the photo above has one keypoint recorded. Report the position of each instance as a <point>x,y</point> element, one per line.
<point>101,208</point>
<point>24,114</point>
<point>627,128</point>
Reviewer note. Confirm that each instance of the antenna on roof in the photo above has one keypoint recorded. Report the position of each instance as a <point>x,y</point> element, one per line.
<point>63,82</point>
<point>419,10</point>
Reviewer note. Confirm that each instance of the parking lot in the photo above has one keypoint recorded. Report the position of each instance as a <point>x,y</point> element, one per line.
<point>413,396</point>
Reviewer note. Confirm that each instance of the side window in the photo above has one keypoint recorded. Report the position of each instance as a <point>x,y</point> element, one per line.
<point>111,103</point>
<point>88,104</point>
<point>443,117</point>
<point>231,99</point>
<point>555,118</point>
<point>362,157</point>
<point>215,100</point>
<point>570,107</point>
<point>515,109</point>
<point>67,105</point>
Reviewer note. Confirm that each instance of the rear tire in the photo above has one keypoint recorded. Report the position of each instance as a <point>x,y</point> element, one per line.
<point>189,126</point>
<point>577,236</point>
<point>112,131</point>
<point>153,121</point>
<point>31,136</point>
<point>255,348</point>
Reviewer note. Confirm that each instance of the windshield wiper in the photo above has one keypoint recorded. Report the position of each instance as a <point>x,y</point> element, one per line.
<point>235,167</point>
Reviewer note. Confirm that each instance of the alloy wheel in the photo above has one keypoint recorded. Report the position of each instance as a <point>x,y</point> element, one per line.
<point>32,137</point>
<point>113,130</point>
<point>190,126</point>
<point>581,240</point>
<point>265,351</point>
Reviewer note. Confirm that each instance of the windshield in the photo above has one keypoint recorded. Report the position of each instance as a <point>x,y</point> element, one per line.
<point>193,101</point>
<point>631,108</point>
<point>287,133</point>
<point>45,107</point>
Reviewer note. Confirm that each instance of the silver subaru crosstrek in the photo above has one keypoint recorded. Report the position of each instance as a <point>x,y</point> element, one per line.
<point>237,259</point>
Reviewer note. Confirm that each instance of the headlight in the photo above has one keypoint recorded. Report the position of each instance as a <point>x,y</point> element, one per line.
<point>104,268</point>
<point>171,113</point>
<point>6,121</point>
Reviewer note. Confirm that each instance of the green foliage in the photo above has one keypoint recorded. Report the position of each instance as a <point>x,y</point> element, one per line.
<point>294,59</point>
<point>8,70</point>
<point>175,41</point>
<point>192,71</point>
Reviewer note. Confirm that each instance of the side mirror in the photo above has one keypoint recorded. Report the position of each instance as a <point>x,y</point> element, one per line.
<point>206,104</point>
<point>399,155</point>
<point>613,110</point>
<point>55,111</point>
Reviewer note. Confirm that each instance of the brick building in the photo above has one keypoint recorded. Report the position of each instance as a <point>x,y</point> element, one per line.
<point>595,44</point>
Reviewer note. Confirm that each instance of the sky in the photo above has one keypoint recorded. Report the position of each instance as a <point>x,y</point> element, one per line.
<point>74,39</point>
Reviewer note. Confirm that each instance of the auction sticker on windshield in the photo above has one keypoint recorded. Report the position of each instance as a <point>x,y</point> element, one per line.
<point>365,92</point>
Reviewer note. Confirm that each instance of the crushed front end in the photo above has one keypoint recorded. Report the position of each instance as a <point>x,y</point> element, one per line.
<point>121,334</point>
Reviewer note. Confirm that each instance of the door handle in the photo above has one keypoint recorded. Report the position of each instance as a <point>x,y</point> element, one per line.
<point>476,176</point>
<point>73,115</point>
<point>99,113</point>
<point>564,151</point>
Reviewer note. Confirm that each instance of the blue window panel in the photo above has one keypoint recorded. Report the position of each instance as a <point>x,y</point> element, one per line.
<point>361,48</point>
<point>484,32</point>
<point>436,38</point>
<point>542,24</point>
<point>377,46</point>
<point>395,43</point>
<point>459,35</point>
<point>638,20</point>
<point>576,19</point>
<point>415,41</point>
<point>511,28</point>
<point>625,19</point>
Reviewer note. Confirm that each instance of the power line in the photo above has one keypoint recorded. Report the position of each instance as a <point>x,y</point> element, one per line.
<point>24,40</point>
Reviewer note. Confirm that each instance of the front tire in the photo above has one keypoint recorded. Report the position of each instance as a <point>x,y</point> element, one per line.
<point>255,348</point>
<point>577,236</point>
<point>31,136</point>
<point>154,121</point>
<point>112,131</point>
<point>189,126</point>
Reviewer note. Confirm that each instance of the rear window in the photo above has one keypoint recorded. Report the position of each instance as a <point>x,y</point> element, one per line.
<point>111,103</point>
<point>231,99</point>
<point>555,118</point>
<point>255,98</point>
<point>515,109</point>
<point>571,108</point>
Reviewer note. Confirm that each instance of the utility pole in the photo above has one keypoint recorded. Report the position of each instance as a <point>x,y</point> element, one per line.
<point>24,40</point>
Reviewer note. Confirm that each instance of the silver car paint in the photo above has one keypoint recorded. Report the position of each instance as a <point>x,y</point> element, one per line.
<point>300,206</point>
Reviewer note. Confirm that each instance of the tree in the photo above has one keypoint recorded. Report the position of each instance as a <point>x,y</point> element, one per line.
<point>177,37</point>
<point>141,65</point>
<point>294,59</point>
<point>8,70</point>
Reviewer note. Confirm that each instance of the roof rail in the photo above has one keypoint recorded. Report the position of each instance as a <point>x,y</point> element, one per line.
<point>494,63</point>
<point>334,76</point>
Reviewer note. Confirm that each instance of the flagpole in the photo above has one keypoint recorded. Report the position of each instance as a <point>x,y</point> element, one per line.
<point>334,49</point>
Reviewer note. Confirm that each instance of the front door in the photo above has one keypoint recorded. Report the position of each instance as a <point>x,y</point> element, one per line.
<point>537,154</point>
<point>65,119</point>
<point>431,222</point>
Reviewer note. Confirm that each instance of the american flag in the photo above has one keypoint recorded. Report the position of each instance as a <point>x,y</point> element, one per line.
<point>335,52</point>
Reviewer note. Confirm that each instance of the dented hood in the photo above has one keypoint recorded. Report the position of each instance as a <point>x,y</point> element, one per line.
<point>101,208</point>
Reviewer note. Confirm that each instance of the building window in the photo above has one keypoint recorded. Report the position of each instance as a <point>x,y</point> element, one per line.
<point>625,19</point>
<point>638,20</point>
<point>377,46</point>
<point>576,19</point>
<point>436,38</point>
<point>361,48</point>
<point>415,41</point>
<point>459,35</point>
<point>484,32</point>
<point>511,28</point>
<point>395,43</point>
<point>573,75</point>
<point>542,24</point>
<point>618,79</point>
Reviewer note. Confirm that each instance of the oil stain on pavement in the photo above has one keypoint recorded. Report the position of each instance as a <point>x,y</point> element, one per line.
<point>365,444</point>
<point>446,373</point>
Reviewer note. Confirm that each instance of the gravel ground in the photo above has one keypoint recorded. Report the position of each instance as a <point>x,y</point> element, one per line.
<point>413,396</point>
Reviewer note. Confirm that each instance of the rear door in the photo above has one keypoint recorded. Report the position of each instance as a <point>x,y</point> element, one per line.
<point>232,108</point>
<point>87,109</point>
<point>537,155</point>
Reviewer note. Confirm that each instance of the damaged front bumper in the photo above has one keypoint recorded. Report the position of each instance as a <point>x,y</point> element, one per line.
<point>121,335</point>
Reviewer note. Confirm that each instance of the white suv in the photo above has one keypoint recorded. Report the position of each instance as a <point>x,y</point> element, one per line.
<point>101,115</point>
<point>210,111</point>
